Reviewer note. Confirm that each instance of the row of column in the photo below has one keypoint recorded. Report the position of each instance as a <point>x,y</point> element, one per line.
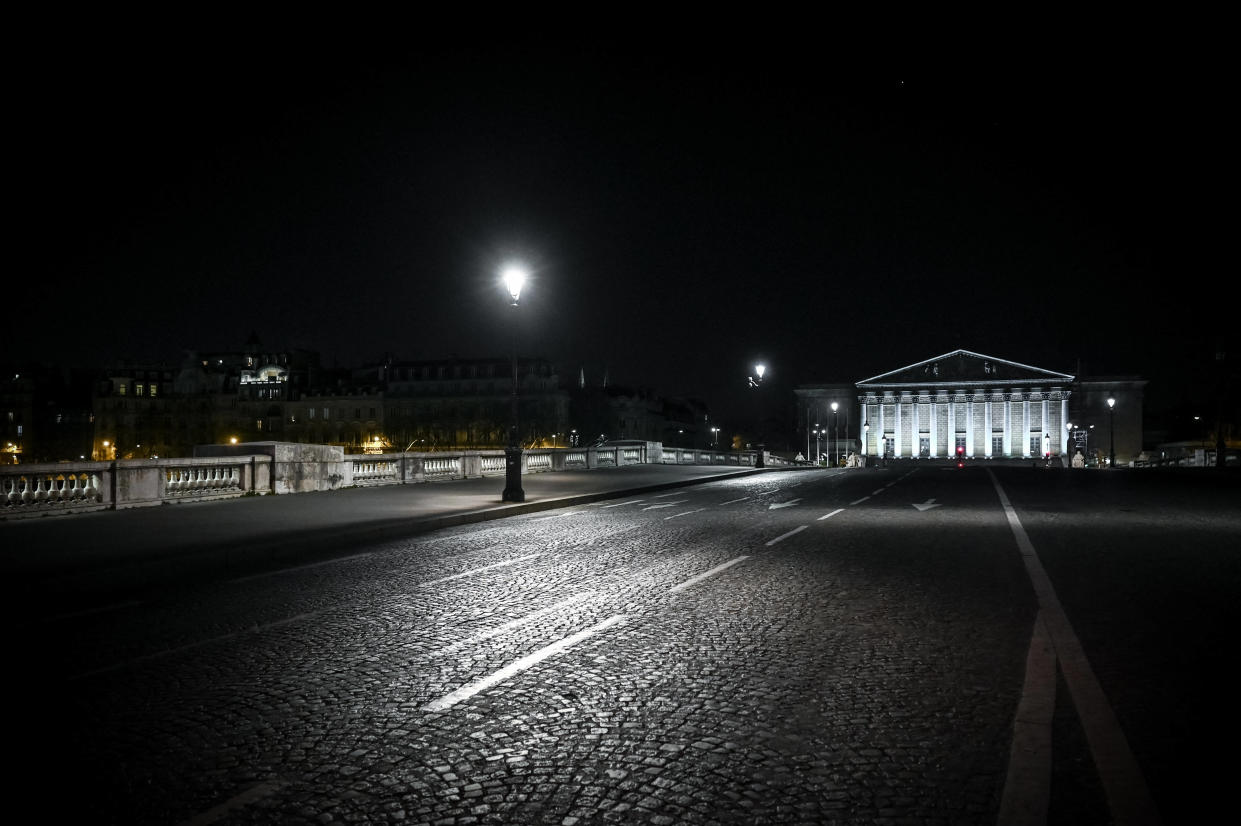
<point>1051,436</point>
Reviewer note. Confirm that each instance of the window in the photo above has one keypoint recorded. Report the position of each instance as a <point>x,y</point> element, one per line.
<point>357,413</point>
<point>153,390</point>
<point>120,389</point>
<point>372,413</point>
<point>310,412</point>
<point>960,441</point>
<point>325,413</point>
<point>138,388</point>
<point>997,445</point>
<point>1036,444</point>
<point>258,424</point>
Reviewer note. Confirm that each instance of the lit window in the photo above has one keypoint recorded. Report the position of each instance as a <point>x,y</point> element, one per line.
<point>258,424</point>
<point>310,412</point>
<point>120,388</point>
<point>138,388</point>
<point>152,389</point>
<point>325,413</point>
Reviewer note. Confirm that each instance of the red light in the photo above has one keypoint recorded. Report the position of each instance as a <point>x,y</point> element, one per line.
<point>960,450</point>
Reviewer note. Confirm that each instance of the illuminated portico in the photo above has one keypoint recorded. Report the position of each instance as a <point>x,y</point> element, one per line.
<point>988,407</point>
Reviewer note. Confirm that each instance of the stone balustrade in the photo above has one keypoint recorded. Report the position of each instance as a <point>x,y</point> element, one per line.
<point>224,471</point>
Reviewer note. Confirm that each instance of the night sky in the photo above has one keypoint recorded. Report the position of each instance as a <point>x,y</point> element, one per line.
<point>684,215</point>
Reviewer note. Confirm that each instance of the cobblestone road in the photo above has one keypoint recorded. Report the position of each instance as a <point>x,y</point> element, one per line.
<point>796,647</point>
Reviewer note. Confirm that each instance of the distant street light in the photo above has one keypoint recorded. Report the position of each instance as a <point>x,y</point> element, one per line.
<point>514,279</point>
<point>835,435</point>
<point>715,437</point>
<point>818,451</point>
<point>1111,427</point>
<point>759,370</point>
<point>865,438</point>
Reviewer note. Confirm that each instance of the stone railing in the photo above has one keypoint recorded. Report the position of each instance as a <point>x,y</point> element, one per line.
<point>224,471</point>
<point>77,487</point>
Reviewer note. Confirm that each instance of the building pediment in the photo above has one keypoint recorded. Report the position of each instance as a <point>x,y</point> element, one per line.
<point>962,367</point>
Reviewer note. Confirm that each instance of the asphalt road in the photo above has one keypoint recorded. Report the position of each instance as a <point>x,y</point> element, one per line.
<point>819,646</point>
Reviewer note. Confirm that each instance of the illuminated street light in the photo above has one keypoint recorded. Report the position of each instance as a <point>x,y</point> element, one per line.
<point>835,435</point>
<point>514,279</point>
<point>759,370</point>
<point>1111,427</point>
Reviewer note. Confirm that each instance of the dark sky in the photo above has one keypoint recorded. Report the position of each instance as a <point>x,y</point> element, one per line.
<point>683,215</point>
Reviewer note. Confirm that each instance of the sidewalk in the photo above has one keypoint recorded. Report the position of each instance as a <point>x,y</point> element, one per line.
<point>142,548</point>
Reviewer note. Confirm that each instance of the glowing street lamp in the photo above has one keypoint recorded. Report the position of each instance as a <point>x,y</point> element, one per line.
<point>835,435</point>
<point>1111,427</point>
<point>759,370</point>
<point>514,279</point>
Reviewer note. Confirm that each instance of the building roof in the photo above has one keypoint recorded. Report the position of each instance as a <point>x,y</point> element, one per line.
<point>962,367</point>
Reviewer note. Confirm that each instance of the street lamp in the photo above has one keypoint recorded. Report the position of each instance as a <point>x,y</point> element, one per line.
<point>865,438</point>
<point>759,370</point>
<point>1111,428</point>
<point>835,435</point>
<point>818,452</point>
<point>715,437</point>
<point>514,279</point>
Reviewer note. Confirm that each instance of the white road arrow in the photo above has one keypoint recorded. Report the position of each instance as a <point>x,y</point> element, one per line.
<point>787,504</point>
<point>927,505</point>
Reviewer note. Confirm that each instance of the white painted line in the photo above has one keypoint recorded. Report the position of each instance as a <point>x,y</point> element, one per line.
<point>555,516</point>
<point>686,513</point>
<point>514,668</point>
<point>696,579</point>
<point>250,795</point>
<point>731,501</point>
<point>876,492</point>
<point>665,505</point>
<point>1027,788</point>
<point>1124,786</point>
<point>674,493</point>
<point>618,504</point>
<point>509,626</point>
<point>778,505</point>
<point>859,501</point>
<point>473,571</point>
<point>830,515</point>
<point>784,536</point>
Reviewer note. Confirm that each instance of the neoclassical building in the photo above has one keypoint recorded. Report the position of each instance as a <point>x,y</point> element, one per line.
<point>990,407</point>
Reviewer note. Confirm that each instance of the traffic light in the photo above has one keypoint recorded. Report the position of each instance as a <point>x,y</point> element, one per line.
<point>960,456</point>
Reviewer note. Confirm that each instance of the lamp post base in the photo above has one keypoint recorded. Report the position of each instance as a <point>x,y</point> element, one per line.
<point>512,476</point>
<point>758,460</point>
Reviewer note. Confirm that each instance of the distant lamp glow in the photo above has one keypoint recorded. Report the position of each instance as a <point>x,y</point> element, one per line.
<point>514,279</point>
<point>233,440</point>
<point>759,370</point>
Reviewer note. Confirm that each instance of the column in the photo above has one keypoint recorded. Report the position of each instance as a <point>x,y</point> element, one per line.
<point>1025,414</point>
<point>934,429</point>
<point>986,428</point>
<point>1046,440</point>
<point>1064,419</point>
<point>969,426</point>
<point>880,431</point>
<point>952,427</point>
<point>1008,424</point>
<point>896,428</point>
<point>915,449</point>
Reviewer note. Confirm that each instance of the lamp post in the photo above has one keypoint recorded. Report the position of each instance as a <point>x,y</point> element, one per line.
<point>818,451</point>
<point>756,381</point>
<point>835,435</point>
<point>865,437</point>
<point>514,280</point>
<point>715,437</point>
<point>1111,431</point>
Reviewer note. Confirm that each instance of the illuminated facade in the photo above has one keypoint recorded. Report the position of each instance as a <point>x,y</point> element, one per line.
<point>989,407</point>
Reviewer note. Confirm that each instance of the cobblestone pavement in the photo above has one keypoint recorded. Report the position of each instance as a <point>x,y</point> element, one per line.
<point>810,647</point>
